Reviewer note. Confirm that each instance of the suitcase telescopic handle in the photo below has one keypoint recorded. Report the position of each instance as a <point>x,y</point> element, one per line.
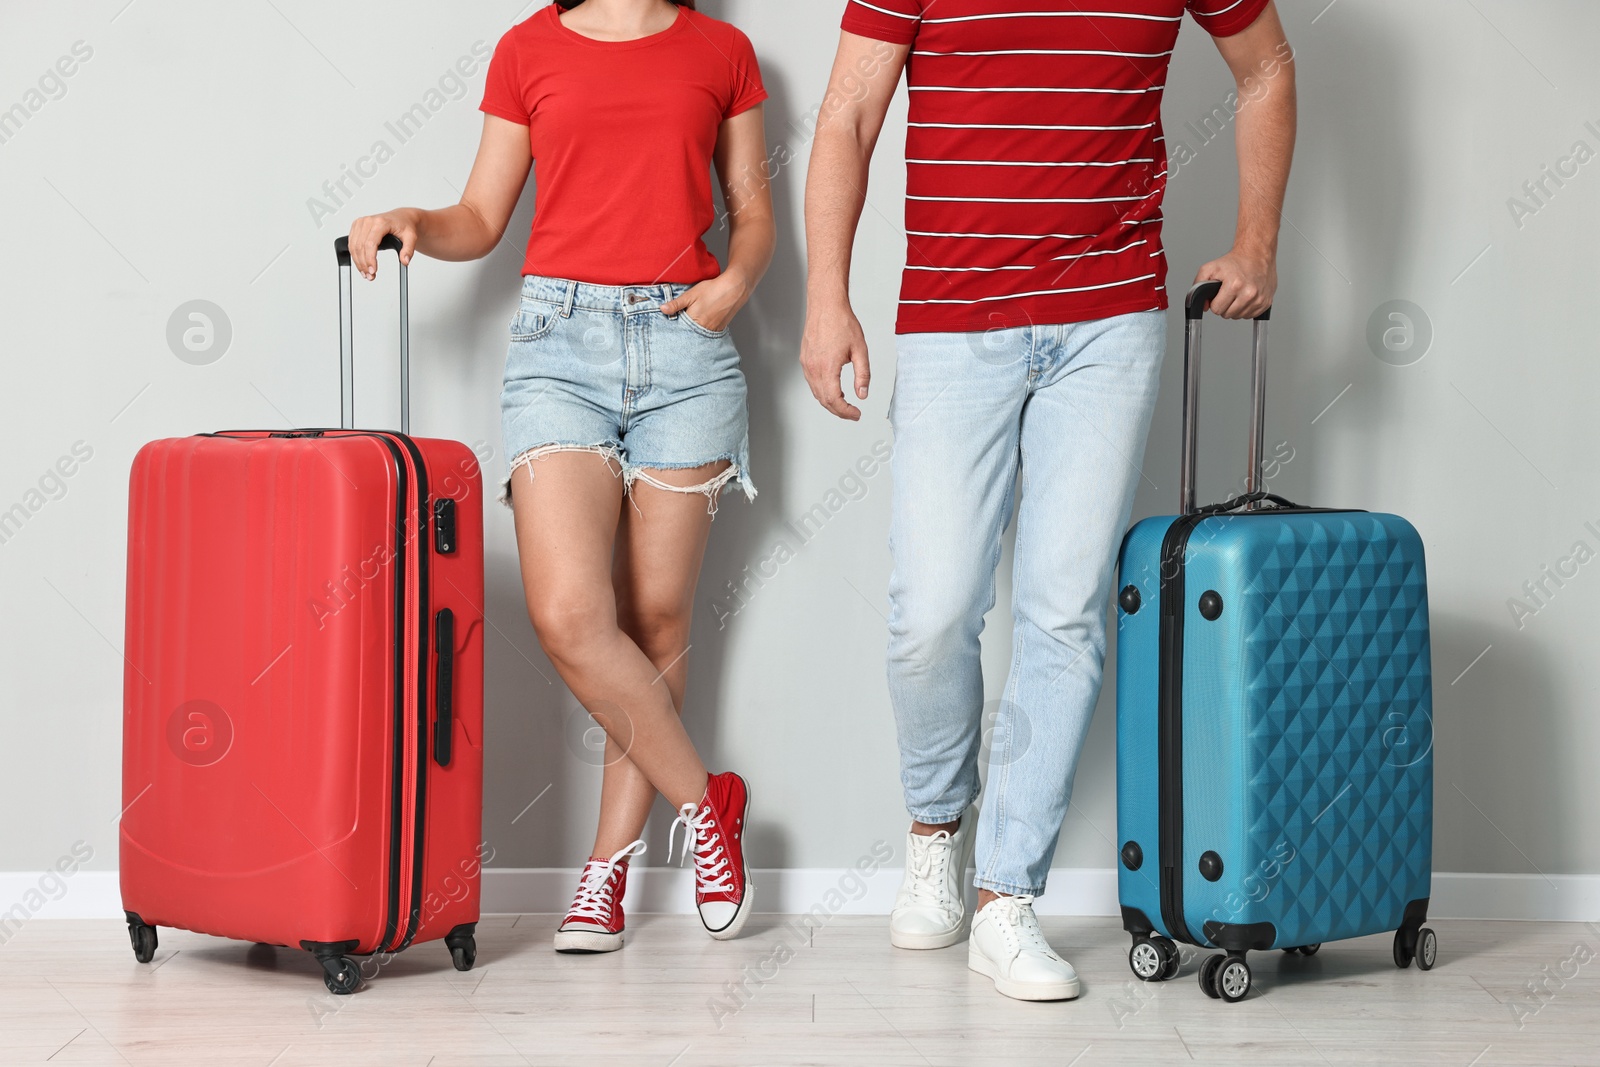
<point>1194,309</point>
<point>347,365</point>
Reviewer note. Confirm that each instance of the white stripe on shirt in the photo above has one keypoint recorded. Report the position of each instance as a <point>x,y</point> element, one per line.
<point>1020,163</point>
<point>1034,200</point>
<point>1027,89</point>
<point>964,270</point>
<point>1000,126</point>
<point>886,11</point>
<point>1007,236</point>
<point>1107,252</point>
<point>1214,14</point>
<point>1043,292</point>
<point>1052,15</point>
<point>1052,52</point>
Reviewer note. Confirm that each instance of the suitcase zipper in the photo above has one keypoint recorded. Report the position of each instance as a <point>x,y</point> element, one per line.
<point>1169,745</point>
<point>424,614</point>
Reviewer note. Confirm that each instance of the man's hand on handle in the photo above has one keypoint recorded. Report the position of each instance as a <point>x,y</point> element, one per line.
<point>834,340</point>
<point>1249,281</point>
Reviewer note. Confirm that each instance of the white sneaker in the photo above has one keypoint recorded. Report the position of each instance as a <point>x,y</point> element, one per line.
<point>1008,946</point>
<point>931,907</point>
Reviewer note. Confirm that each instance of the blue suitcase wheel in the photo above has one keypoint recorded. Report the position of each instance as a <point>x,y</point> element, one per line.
<point>1427,949</point>
<point>1405,947</point>
<point>1154,959</point>
<point>1233,979</point>
<point>1146,961</point>
<point>1174,961</point>
<point>1208,976</point>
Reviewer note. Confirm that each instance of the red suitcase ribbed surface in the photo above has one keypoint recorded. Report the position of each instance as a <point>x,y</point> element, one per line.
<point>282,768</point>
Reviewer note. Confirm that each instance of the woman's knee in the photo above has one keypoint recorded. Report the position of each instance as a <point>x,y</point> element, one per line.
<point>568,621</point>
<point>656,627</point>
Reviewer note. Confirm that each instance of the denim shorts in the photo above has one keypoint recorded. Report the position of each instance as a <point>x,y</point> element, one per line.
<point>597,368</point>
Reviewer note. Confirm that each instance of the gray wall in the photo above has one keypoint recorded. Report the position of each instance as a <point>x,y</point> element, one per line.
<point>176,164</point>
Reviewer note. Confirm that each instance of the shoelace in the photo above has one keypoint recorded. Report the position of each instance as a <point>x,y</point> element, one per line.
<point>1020,926</point>
<point>712,873</point>
<point>593,899</point>
<point>929,863</point>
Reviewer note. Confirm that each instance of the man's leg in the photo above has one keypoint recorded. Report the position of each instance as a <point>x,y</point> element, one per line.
<point>1083,432</point>
<point>1083,438</point>
<point>956,411</point>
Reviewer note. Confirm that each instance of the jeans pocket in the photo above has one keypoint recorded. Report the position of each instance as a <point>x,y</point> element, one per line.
<point>715,335</point>
<point>532,324</point>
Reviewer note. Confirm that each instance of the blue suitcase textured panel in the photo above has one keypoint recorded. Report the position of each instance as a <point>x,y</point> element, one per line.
<point>1306,730</point>
<point>1307,719</point>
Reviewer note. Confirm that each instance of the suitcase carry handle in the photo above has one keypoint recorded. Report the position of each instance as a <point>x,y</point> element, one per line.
<point>444,644</point>
<point>347,366</point>
<point>1194,308</point>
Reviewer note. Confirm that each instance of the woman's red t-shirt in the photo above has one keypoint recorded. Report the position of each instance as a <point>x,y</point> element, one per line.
<point>622,134</point>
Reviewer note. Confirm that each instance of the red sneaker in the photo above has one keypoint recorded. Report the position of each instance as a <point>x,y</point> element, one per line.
<point>594,922</point>
<point>715,836</point>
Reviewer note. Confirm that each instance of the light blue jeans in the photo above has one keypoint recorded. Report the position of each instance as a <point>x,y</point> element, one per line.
<point>1068,407</point>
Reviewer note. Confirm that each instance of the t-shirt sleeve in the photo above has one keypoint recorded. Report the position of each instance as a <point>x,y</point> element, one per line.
<point>895,21</point>
<point>1224,18</point>
<point>746,89</point>
<point>502,90</point>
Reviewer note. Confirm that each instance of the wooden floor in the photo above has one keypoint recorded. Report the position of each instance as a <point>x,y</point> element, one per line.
<point>71,993</point>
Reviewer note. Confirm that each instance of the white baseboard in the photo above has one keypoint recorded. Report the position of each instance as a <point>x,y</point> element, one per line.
<point>842,891</point>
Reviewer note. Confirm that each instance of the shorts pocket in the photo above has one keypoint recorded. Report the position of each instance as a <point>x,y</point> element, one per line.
<point>533,323</point>
<point>715,335</point>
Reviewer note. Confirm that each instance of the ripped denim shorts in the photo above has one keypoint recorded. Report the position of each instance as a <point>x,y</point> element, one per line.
<point>600,369</point>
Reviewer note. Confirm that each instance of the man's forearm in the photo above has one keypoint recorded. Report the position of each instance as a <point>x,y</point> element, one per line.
<point>1265,137</point>
<point>836,192</point>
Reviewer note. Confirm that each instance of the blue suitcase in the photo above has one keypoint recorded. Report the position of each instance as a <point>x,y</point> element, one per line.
<point>1274,723</point>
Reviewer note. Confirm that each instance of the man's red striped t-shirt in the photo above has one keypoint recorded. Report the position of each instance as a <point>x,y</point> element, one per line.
<point>1036,165</point>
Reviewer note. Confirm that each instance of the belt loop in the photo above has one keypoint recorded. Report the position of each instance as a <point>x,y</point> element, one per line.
<point>572,298</point>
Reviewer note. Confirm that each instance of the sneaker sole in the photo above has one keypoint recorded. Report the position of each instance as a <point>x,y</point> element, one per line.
<point>731,931</point>
<point>980,963</point>
<point>923,942</point>
<point>587,942</point>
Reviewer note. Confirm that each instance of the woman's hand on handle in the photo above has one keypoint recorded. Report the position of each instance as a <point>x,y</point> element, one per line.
<point>367,232</point>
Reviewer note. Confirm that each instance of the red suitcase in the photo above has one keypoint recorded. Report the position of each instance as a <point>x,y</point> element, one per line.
<point>303,704</point>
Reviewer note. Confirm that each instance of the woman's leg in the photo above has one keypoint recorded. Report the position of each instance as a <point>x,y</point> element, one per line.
<point>660,545</point>
<point>568,506</point>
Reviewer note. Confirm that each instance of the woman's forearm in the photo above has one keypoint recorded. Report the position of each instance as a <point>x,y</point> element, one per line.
<point>454,233</point>
<point>752,239</point>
